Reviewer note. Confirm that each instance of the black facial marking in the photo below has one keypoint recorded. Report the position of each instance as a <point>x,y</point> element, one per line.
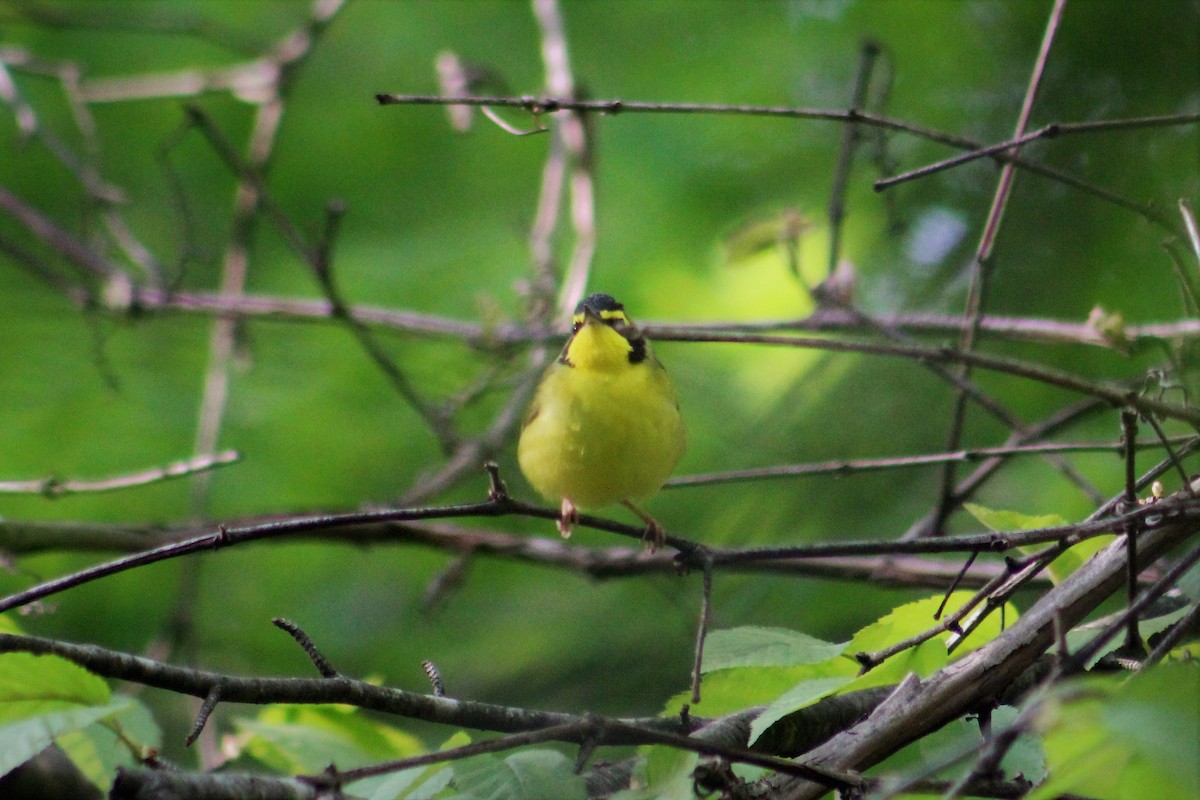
<point>637,343</point>
<point>613,314</point>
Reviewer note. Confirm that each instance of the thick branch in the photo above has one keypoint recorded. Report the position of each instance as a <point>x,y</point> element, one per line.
<point>920,707</point>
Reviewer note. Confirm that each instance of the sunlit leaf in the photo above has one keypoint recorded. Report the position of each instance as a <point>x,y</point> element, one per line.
<point>98,750</point>
<point>764,647</point>
<point>1001,521</point>
<point>307,739</point>
<point>32,683</point>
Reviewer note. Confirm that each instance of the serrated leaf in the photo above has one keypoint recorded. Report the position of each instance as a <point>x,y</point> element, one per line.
<point>911,619</point>
<point>32,684</point>
<point>41,698</point>
<point>1025,758</point>
<point>528,775</point>
<point>731,690</point>
<point>765,647</point>
<point>796,698</point>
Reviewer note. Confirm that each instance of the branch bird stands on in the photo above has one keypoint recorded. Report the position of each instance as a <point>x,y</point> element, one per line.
<point>604,426</point>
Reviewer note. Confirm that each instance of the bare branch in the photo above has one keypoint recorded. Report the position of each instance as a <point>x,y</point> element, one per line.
<point>851,466</point>
<point>1184,506</point>
<point>59,487</point>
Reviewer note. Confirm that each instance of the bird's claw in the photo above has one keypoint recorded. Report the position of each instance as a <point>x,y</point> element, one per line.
<point>568,517</point>
<point>654,536</point>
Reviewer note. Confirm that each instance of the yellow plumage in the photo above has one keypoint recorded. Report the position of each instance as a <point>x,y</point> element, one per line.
<point>604,426</point>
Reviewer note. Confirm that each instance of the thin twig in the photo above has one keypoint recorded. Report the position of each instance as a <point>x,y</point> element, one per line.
<point>281,309</point>
<point>306,644</point>
<point>702,627</point>
<point>1050,131</point>
<point>981,269</point>
<point>60,487</point>
<point>1184,626</point>
<point>852,466</point>
<point>544,105</point>
<point>851,136</point>
<point>1042,374</point>
<point>571,130</point>
<point>1129,430</point>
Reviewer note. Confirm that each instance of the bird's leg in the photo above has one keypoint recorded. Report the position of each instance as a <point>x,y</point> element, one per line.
<point>568,516</point>
<point>655,536</point>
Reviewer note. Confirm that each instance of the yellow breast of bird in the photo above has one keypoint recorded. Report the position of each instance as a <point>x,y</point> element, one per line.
<point>602,436</point>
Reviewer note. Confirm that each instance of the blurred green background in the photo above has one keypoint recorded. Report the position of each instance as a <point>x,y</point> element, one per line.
<point>438,221</point>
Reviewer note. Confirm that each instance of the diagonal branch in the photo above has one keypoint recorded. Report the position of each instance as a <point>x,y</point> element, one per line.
<point>981,268</point>
<point>920,707</point>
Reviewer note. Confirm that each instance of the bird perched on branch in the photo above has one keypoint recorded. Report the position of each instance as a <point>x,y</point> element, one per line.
<point>604,426</point>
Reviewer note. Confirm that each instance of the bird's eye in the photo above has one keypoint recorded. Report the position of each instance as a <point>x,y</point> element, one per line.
<point>576,326</point>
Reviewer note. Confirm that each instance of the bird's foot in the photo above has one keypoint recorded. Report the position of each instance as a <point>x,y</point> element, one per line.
<point>568,517</point>
<point>654,535</point>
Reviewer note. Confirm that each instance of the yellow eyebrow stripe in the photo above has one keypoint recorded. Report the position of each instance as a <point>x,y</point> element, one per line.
<point>605,315</point>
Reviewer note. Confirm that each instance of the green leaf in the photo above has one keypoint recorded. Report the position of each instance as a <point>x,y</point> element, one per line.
<point>409,784</point>
<point>418,783</point>
<point>307,739</point>
<point>1062,566</point>
<point>1001,521</point>
<point>663,773</point>
<point>908,620</point>
<point>1124,739</point>
<point>528,775</point>
<point>43,697</point>
<point>1025,758</point>
<point>98,750</point>
<point>799,696</point>
<point>731,690</point>
<point>817,668</point>
<point>32,684</point>
<point>911,619</point>
<point>765,647</point>
<point>1075,557</point>
<point>21,740</point>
